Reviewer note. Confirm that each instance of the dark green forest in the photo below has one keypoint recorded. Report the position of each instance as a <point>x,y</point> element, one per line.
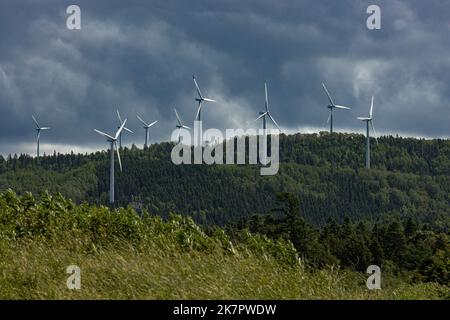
<point>405,249</point>
<point>323,200</point>
<point>410,178</point>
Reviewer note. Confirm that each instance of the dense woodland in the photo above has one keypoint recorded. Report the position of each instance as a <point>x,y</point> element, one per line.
<point>323,200</point>
<point>410,178</point>
<point>407,249</point>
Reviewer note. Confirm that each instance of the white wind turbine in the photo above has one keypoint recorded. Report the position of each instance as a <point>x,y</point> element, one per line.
<point>200,98</point>
<point>146,127</point>
<point>263,114</point>
<point>332,106</point>
<point>113,145</point>
<point>180,125</point>
<point>368,120</point>
<point>38,133</point>
<point>124,128</point>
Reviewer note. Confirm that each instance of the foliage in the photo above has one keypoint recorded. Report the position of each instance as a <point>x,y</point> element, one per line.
<point>405,248</point>
<point>126,256</point>
<point>409,178</point>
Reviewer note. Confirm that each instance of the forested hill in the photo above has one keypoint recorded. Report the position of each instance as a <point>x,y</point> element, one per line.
<point>409,178</point>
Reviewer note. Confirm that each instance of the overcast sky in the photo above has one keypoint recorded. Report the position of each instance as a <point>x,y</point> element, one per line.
<point>139,56</point>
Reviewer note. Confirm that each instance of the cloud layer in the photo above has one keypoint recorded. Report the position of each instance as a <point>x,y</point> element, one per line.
<point>139,56</point>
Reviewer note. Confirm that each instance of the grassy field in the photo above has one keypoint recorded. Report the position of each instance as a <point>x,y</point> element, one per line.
<point>38,271</point>
<point>123,256</point>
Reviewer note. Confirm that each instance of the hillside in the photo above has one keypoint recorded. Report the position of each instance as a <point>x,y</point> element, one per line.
<point>123,255</point>
<point>409,178</point>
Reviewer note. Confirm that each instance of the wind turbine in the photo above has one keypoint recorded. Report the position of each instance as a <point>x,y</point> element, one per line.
<point>113,145</point>
<point>180,125</point>
<point>367,120</point>
<point>332,106</point>
<point>263,114</point>
<point>200,100</point>
<point>146,126</point>
<point>38,131</point>
<point>124,128</point>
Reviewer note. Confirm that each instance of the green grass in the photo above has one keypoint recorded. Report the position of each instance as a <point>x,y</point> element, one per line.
<point>123,256</point>
<point>37,271</point>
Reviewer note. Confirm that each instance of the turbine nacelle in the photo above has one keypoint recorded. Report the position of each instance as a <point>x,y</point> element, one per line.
<point>146,125</point>
<point>180,124</point>
<point>113,140</point>
<point>369,119</point>
<point>120,122</point>
<point>369,123</point>
<point>43,128</point>
<point>200,98</point>
<point>339,107</point>
<point>38,133</point>
<point>263,114</point>
<point>38,127</point>
<point>332,106</point>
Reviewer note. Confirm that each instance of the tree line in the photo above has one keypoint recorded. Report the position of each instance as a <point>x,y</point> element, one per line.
<point>409,178</point>
<point>405,248</point>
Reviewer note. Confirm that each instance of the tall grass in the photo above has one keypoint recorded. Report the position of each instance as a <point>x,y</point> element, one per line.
<point>125,256</point>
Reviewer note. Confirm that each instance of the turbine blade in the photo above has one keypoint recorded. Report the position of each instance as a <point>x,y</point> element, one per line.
<point>273,120</point>
<point>118,116</point>
<point>179,132</point>
<point>127,130</point>
<point>328,94</point>
<point>196,86</point>
<point>267,97</point>
<point>198,110</point>
<point>35,121</point>
<point>374,132</point>
<point>209,100</point>
<point>143,122</point>
<point>45,128</point>
<point>178,117</point>
<point>363,118</point>
<point>186,127</point>
<point>341,107</point>
<point>104,134</point>
<point>371,109</point>
<point>329,118</point>
<point>118,155</point>
<point>262,115</point>
<point>151,124</point>
<point>120,129</point>
<point>38,135</point>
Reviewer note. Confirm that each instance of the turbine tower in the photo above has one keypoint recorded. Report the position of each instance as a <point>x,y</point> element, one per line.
<point>368,120</point>
<point>332,106</point>
<point>263,114</point>
<point>124,128</point>
<point>200,100</point>
<point>113,145</point>
<point>38,133</point>
<point>146,127</point>
<point>180,125</point>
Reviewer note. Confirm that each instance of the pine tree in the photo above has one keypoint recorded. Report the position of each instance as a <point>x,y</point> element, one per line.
<point>394,242</point>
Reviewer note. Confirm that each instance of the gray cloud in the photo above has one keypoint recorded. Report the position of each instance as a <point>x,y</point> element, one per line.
<point>139,57</point>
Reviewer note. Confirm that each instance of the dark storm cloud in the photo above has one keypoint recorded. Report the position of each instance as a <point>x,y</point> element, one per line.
<point>139,56</point>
